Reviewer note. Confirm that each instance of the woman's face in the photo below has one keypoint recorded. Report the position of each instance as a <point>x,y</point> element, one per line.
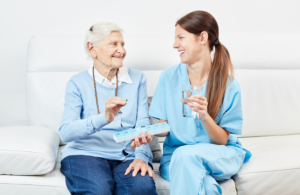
<point>111,52</point>
<point>189,45</point>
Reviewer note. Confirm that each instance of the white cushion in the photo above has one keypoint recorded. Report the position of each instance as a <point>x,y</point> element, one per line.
<point>52,183</point>
<point>270,101</point>
<point>27,150</point>
<point>274,167</point>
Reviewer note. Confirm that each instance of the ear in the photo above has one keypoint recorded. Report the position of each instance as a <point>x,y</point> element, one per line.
<point>91,49</point>
<point>203,38</point>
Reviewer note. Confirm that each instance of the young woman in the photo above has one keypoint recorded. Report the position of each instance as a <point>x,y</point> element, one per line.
<point>200,151</point>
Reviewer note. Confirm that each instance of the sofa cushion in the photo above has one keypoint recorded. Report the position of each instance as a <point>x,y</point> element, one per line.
<point>274,167</point>
<point>52,183</point>
<point>270,101</point>
<point>27,150</point>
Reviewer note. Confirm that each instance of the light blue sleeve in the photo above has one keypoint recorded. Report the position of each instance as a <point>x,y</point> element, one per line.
<point>158,104</point>
<point>72,127</point>
<point>143,152</point>
<point>231,114</point>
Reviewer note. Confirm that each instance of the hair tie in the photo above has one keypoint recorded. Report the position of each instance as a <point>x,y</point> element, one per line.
<point>217,42</point>
<point>91,29</point>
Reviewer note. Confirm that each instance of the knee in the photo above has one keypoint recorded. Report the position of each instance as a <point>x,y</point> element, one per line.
<point>143,185</point>
<point>183,154</point>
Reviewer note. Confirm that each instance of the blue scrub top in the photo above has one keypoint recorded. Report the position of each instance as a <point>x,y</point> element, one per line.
<point>166,105</point>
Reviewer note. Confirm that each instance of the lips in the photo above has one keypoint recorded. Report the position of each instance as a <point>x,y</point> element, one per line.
<point>181,53</point>
<point>118,57</point>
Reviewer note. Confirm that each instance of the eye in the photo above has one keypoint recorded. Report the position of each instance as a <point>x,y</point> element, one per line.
<point>113,43</point>
<point>181,37</point>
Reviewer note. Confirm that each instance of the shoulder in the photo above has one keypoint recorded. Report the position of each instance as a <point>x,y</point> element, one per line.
<point>232,93</point>
<point>172,71</point>
<point>78,79</point>
<point>136,75</point>
<point>232,86</point>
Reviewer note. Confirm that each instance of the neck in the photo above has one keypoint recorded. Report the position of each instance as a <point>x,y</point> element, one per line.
<point>105,71</point>
<point>198,72</point>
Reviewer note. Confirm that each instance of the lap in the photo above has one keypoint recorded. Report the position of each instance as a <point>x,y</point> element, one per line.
<point>208,152</point>
<point>87,175</point>
<point>220,161</point>
<point>132,185</point>
<point>92,175</point>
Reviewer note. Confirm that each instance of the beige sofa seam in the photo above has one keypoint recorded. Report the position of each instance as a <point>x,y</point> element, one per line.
<point>268,171</point>
<point>33,185</point>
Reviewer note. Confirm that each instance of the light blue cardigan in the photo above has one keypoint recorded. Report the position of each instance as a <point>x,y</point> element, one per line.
<point>88,133</point>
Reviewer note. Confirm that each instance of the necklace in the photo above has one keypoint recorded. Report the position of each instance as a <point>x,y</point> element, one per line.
<point>116,94</point>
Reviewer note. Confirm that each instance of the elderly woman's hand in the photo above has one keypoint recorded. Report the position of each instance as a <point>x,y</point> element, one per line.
<point>137,142</point>
<point>112,107</point>
<point>138,165</point>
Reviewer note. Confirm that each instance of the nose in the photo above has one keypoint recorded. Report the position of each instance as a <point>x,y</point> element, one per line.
<point>121,50</point>
<point>176,45</point>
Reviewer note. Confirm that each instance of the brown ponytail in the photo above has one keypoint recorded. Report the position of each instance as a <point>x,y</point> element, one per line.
<point>221,69</point>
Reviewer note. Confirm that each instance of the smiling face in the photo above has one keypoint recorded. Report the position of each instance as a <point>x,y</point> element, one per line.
<point>110,52</point>
<point>189,45</point>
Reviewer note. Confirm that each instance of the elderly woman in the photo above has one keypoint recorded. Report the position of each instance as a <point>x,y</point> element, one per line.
<point>95,108</point>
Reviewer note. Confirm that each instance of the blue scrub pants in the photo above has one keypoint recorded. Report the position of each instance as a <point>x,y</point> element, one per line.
<point>88,175</point>
<point>194,169</point>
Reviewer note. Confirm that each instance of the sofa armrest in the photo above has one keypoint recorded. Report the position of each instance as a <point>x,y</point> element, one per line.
<point>27,150</point>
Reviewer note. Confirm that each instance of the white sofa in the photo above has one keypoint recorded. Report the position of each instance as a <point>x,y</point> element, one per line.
<point>267,71</point>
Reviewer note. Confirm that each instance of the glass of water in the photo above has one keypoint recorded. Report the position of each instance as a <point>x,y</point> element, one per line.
<point>188,91</point>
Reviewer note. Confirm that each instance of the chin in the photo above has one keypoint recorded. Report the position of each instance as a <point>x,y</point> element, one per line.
<point>118,65</point>
<point>183,60</point>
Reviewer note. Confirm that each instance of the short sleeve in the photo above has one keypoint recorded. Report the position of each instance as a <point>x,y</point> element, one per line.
<point>231,118</point>
<point>158,103</point>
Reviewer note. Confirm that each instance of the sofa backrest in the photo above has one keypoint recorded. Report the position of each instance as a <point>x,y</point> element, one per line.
<point>267,70</point>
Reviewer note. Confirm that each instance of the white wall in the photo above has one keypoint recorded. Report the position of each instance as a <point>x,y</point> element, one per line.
<point>21,19</point>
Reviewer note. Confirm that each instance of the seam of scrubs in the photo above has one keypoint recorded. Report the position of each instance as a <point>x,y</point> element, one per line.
<point>125,186</point>
<point>75,188</point>
<point>201,181</point>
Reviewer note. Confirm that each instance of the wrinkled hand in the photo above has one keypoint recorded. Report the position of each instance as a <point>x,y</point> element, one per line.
<point>198,104</point>
<point>137,142</point>
<point>138,165</point>
<point>112,107</point>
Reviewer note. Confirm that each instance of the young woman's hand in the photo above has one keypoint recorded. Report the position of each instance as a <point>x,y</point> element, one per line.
<point>137,142</point>
<point>138,165</point>
<point>198,104</point>
<point>112,107</point>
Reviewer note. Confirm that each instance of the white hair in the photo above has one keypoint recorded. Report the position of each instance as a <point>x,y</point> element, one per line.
<point>98,32</point>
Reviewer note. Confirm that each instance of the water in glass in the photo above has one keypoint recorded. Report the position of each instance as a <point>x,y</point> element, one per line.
<point>188,91</point>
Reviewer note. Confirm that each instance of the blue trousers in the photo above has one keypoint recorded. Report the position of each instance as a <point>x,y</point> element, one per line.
<point>195,169</point>
<point>88,175</point>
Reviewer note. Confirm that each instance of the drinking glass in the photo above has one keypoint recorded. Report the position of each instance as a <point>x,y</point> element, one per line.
<point>188,91</point>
